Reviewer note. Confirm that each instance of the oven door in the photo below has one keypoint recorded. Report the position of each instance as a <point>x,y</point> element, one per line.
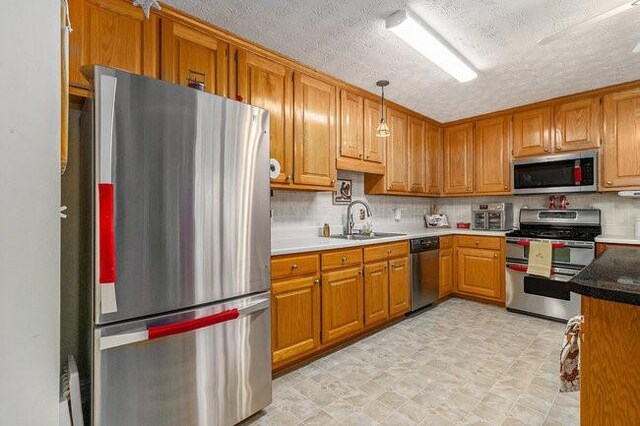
<point>573,172</point>
<point>565,253</point>
<point>546,297</point>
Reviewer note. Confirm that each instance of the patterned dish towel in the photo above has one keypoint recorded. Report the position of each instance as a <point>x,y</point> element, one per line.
<point>570,356</point>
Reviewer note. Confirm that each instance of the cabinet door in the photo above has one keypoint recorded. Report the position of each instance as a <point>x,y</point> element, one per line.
<point>458,159</point>
<point>269,85</point>
<point>373,145</point>
<point>314,131</point>
<point>397,152</point>
<point>189,53</point>
<point>351,125</point>
<point>417,155</point>
<point>578,124</point>
<point>398,286</point>
<point>446,272</point>
<point>532,132</point>
<point>479,272</point>
<point>342,303</point>
<point>434,160</point>
<point>112,33</point>
<point>492,155</point>
<point>295,317</point>
<point>621,154</point>
<point>376,293</point>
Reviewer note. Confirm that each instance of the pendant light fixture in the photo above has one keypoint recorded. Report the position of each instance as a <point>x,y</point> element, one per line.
<point>382,131</point>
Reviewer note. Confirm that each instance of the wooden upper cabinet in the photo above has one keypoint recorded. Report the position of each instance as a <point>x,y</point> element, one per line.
<point>189,53</point>
<point>376,293</point>
<point>295,317</point>
<point>397,176</point>
<point>532,132</point>
<point>314,131</point>
<point>578,124</point>
<point>417,155</point>
<point>112,33</point>
<point>433,173</point>
<point>373,145</point>
<point>269,85</point>
<point>342,303</point>
<point>621,154</point>
<point>351,125</point>
<point>458,159</point>
<point>399,298</point>
<point>493,155</point>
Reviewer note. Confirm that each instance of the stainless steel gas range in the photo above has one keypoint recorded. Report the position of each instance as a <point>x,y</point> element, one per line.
<point>572,236</point>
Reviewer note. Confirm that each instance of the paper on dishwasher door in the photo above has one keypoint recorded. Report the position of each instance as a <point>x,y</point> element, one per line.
<point>540,256</point>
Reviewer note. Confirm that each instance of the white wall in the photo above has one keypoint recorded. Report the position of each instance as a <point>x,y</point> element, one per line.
<point>297,213</point>
<point>29,224</point>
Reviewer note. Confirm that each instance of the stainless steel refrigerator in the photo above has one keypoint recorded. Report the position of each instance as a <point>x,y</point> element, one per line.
<point>180,199</point>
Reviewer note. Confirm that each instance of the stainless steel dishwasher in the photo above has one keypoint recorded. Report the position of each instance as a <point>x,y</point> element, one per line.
<point>425,271</point>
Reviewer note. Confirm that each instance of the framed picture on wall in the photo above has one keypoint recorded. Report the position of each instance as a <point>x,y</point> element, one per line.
<point>343,191</point>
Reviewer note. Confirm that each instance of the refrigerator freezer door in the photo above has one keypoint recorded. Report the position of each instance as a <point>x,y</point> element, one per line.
<point>187,373</point>
<point>190,178</point>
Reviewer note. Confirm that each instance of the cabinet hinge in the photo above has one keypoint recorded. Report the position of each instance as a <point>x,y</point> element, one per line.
<point>235,56</point>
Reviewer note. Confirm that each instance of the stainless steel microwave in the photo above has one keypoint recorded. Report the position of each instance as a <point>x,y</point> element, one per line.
<point>552,174</point>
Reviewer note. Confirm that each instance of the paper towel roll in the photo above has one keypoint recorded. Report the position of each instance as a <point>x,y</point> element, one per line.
<point>274,168</point>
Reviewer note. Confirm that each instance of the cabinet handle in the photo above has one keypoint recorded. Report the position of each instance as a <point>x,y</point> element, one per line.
<point>506,187</point>
<point>477,242</point>
<point>558,148</point>
<point>316,281</point>
<point>360,272</point>
<point>495,255</point>
<point>289,178</point>
<point>609,182</point>
<point>546,149</point>
<point>294,266</point>
<point>360,155</point>
<point>344,260</point>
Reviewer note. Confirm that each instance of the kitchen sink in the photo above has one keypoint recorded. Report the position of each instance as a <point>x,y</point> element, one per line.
<point>372,236</point>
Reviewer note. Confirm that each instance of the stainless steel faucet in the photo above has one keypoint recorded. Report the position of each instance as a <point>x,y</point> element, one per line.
<point>350,223</point>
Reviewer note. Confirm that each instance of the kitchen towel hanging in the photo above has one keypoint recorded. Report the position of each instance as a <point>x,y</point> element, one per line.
<point>540,257</point>
<point>570,356</point>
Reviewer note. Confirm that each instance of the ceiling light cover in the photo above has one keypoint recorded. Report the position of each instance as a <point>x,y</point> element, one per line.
<point>383,131</point>
<point>428,43</point>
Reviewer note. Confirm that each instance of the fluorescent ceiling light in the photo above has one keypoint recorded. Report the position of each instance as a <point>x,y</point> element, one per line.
<point>429,44</point>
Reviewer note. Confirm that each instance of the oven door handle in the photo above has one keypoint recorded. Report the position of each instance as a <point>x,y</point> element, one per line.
<point>553,245</point>
<point>518,268</point>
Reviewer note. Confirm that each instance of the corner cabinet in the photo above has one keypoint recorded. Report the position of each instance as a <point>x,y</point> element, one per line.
<point>621,148</point>
<point>434,160</point>
<point>458,159</point>
<point>314,132</point>
<point>269,85</point>
<point>417,155</point>
<point>397,177</point>
<point>532,132</point>
<point>112,33</point>
<point>188,53</point>
<point>493,156</point>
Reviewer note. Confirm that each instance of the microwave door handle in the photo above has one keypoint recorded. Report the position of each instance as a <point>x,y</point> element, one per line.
<point>577,173</point>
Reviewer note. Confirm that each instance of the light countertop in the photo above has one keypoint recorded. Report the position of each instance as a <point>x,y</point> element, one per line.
<point>291,244</point>
<point>618,239</point>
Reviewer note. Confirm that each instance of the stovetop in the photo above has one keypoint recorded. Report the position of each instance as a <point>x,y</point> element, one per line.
<point>587,233</point>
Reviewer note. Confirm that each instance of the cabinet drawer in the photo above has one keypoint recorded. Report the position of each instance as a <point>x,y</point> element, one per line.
<point>294,266</point>
<point>446,242</point>
<point>472,241</point>
<point>341,259</point>
<point>385,251</point>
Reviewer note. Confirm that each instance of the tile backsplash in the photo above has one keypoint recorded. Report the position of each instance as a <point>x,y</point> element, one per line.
<point>302,213</point>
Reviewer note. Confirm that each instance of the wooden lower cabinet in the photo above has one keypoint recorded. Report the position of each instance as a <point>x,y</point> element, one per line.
<point>399,298</point>
<point>295,317</point>
<point>342,303</point>
<point>609,367</point>
<point>480,272</point>
<point>376,293</point>
<point>446,272</point>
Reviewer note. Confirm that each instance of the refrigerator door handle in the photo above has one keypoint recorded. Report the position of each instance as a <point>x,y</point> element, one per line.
<point>155,332</point>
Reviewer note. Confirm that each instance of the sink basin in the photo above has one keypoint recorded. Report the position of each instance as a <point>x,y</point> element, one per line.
<point>372,236</point>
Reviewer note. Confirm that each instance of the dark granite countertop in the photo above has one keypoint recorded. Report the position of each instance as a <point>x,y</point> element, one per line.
<point>615,276</point>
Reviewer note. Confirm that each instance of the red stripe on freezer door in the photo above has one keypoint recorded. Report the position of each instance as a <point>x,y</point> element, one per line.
<point>107,237</point>
<point>190,325</point>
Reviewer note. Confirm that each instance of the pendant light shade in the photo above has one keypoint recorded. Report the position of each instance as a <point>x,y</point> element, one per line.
<point>382,131</point>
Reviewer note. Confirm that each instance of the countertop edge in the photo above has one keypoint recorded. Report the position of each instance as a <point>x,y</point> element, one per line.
<point>617,239</point>
<point>604,294</point>
<point>322,244</point>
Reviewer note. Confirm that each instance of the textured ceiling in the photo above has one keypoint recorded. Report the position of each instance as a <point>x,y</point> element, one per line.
<point>347,39</point>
